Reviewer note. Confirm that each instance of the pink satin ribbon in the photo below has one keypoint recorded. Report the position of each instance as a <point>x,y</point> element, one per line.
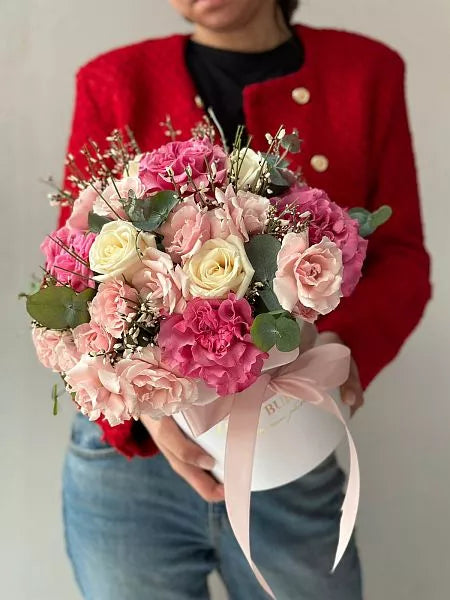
<point>309,378</point>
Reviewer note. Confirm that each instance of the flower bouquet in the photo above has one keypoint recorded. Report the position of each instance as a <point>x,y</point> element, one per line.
<point>180,285</point>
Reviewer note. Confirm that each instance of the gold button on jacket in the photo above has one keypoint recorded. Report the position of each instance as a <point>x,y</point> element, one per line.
<point>319,163</point>
<point>301,95</point>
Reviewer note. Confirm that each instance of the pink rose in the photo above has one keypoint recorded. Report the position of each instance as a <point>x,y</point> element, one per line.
<point>69,268</point>
<point>306,314</point>
<point>242,214</point>
<point>98,392</point>
<point>331,221</point>
<point>91,338</point>
<point>82,206</point>
<point>114,301</point>
<point>311,276</point>
<point>211,340</point>
<point>196,154</point>
<point>158,281</point>
<point>55,349</point>
<point>186,229</point>
<point>157,389</point>
<point>108,204</point>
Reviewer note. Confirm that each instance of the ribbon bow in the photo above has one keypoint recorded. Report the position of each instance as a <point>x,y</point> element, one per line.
<point>309,377</point>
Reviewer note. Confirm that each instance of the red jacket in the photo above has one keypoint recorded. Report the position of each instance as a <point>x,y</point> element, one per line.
<point>348,104</point>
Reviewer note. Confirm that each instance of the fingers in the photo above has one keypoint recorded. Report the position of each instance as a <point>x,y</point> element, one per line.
<point>352,392</point>
<point>185,457</point>
<point>202,482</point>
<point>171,437</point>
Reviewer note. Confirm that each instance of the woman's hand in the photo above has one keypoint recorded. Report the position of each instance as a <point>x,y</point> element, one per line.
<point>351,392</point>
<point>185,457</point>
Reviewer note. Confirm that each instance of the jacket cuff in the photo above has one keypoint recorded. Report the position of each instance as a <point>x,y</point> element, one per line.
<point>130,438</point>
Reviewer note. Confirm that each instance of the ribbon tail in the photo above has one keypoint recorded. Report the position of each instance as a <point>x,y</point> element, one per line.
<point>351,500</point>
<point>239,453</point>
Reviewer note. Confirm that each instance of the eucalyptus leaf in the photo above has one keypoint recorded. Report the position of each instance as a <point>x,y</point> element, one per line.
<point>288,334</point>
<point>368,221</point>
<point>277,178</point>
<point>60,307</point>
<point>96,222</point>
<point>291,142</point>
<point>269,298</point>
<point>275,329</point>
<point>151,213</point>
<point>262,251</point>
<point>381,216</point>
<point>274,160</point>
<point>264,331</point>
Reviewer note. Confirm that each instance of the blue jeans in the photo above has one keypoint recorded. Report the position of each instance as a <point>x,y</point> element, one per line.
<point>136,531</point>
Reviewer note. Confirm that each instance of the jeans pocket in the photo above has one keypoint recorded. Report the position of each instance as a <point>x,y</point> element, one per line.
<point>86,440</point>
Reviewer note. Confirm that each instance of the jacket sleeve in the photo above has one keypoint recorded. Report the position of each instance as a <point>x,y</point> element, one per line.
<point>389,300</point>
<point>94,119</point>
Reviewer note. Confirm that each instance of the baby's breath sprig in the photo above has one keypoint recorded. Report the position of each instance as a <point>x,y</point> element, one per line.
<point>58,197</point>
<point>102,167</point>
<point>204,129</point>
<point>290,220</point>
<point>262,179</point>
<point>200,191</point>
<point>142,329</point>
<point>170,130</point>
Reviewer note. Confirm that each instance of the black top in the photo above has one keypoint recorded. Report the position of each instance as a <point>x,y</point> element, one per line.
<point>221,75</point>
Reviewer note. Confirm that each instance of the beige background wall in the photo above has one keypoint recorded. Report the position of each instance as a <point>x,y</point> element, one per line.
<point>402,434</point>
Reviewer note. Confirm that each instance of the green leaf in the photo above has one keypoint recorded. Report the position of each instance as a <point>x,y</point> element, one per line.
<point>273,160</point>
<point>269,298</point>
<point>150,213</point>
<point>262,251</point>
<point>275,329</point>
<point>59,307</point>
<point>96,222</point>
<point>369,222</point>
<point>276,177</point>
<point>291,142</point>
<point>264,331</point>
<point>381,216</point>
<point>288,334</point>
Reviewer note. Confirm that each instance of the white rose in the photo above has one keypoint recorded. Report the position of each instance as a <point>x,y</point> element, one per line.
<point>249,167</point>
<point>219,267</point>
<point>116,250</point>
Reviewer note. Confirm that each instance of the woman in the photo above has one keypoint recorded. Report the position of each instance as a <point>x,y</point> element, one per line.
<point>156,528</point>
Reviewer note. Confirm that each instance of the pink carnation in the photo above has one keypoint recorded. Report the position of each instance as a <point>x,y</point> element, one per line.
<point>242,214</point>
<point>157,389</point>
<point>196,154</point>
<point>186,229</point>
<point>81,208</point>
<point>114,301</point>
<point>164,285</point>
<point>55,349</point>
<point>98,391</point>
<point>306,314</point>
<point>308,276</point>
<point>69,267</point>
<point>331,221</point>
<point>91,338</point>
<point>108,204</point>
<point>211,340</point>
